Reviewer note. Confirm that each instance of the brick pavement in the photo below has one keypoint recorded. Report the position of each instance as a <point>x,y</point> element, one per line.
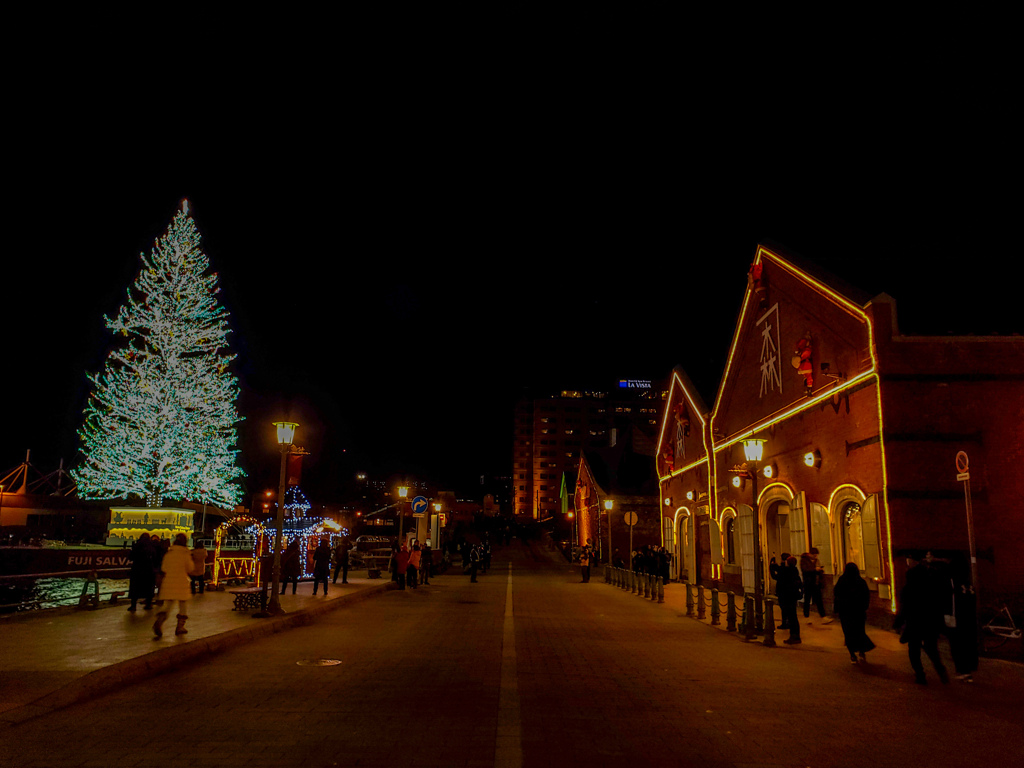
<point>601,678</point>
<point>49,659</point>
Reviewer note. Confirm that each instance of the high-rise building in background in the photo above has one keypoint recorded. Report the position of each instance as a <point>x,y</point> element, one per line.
<point>552,429</point>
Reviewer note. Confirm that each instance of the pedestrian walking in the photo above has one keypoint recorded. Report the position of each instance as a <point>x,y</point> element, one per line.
<point>393,561</point>
<point>961,624</point>
<point>920,617</point>
<point>402,565</point>
<point>142,578</point>
<point>585,555</point>
<point>617,559</point>
<point>789,589</point>
<point>813,573</point>
<point>197,576</point>
<point>291,566</point>
<point>851,599</point>
<point>412,572</point>
<point>426,562</point>
<point>474,563</point>
<point>341,560</point>
<point>175,569</point>
<point>773,573</point>
<point>321,565</point>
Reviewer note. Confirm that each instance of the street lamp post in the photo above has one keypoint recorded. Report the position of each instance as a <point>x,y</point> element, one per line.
<point>285,438</point>
<point>753,450</point>
<point>403,493</point>
<point>608,504</point>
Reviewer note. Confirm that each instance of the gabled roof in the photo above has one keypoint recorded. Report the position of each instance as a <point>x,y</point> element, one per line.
<point>782,254</point>
<point>848,335</point>
<point>682,390</point>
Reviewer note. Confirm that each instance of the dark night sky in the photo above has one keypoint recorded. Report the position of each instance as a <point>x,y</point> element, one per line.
<point>378,263</point>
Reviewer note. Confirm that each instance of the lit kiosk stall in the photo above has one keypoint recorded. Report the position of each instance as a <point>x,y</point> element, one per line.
<point>127,524</point>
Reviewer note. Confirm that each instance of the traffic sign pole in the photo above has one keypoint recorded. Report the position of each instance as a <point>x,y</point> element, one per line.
<point>964,475</point>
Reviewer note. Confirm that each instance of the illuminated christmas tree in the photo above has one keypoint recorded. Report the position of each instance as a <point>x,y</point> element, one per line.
<point>160,422</point>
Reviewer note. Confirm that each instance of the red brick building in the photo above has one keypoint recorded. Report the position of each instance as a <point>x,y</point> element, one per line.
<point>624,474</point>
<point>861,429</point>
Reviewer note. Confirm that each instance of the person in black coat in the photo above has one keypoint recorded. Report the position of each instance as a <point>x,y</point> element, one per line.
<point>321,565</point>
<point>341,560</point>
<point>142,578</point>
<point>920,616</point>
<point>773,572</point>
<point>291,566</point>
<point>789,588</point>
<point>962,636</point>
<point>852,597</point>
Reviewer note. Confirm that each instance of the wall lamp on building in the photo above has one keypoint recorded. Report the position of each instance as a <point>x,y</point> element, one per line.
<point>668,501</point>
<point>770,471</point>
<point>608,504</point>
<point>689,495</point>
<point>813,459</point>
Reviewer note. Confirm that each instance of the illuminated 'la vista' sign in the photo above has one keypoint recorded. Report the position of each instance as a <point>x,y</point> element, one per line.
<point>634,384</point>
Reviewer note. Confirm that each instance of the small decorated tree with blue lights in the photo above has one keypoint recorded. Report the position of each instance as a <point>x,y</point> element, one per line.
<point>161,420</point>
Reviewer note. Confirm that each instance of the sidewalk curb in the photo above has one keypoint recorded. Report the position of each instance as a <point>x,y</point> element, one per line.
<point>107,679</point>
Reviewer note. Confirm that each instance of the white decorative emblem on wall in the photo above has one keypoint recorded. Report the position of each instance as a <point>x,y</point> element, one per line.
<point>771,360</point>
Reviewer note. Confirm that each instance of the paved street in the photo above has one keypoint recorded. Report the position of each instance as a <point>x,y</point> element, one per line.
<point>529,667</point>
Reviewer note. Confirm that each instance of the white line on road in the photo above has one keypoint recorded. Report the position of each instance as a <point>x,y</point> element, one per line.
<point>508,750</point>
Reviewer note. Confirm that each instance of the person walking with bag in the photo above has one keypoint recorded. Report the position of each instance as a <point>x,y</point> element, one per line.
<point>175,569</point>
<point>852,597</point>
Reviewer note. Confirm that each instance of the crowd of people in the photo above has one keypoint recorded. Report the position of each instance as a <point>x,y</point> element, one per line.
<point>411,566</point>
<point>936,600</point>
<point>166,571</point>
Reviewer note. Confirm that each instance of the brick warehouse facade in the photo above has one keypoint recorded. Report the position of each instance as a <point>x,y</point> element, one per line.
<point>861,429</point>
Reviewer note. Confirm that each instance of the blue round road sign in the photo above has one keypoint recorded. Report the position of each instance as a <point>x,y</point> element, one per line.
<point>419,505</point>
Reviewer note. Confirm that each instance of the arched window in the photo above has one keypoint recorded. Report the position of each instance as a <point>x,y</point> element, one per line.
<point>858,523</point>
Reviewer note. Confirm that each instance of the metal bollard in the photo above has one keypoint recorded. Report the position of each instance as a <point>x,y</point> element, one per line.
<point>647,585</point>
<point>769,622</point>
<point>661,590</point>
<point>748,617</point>
<point>633,582</point>
<point>730,612</point>
<point>716,611</point>
<point>689,599</point>
<point>700,602</point>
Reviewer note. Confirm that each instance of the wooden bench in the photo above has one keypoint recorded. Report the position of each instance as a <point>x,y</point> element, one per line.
<point>247,599</point>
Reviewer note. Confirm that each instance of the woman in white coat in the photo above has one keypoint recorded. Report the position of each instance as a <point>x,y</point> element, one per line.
<point>175,585</point>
